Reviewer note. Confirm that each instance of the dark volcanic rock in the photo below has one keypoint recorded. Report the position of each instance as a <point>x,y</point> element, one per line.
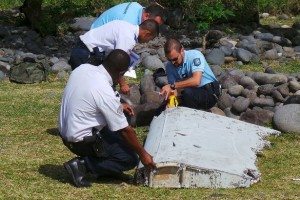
<point>258,117</point>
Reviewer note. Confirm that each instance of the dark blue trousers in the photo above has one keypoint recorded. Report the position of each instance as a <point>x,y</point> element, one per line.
<point>202,98</point>
<point>118,157</point>
<point>79,55</point>
<point>115,156</point>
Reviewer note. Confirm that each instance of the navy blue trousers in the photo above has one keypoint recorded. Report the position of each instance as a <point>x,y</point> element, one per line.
<point>199,98</point>
<point>118,157</point>
<point>115,158</point>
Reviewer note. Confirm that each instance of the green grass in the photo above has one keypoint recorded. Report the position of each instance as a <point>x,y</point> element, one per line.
<point>276,21</point>
<point>292,66</point>
<point>32,154</point>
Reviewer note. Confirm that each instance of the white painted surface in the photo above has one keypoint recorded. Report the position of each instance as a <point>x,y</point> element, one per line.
<point>201,149</point>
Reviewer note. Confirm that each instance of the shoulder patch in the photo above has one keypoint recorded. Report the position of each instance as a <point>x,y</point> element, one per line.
<point>197,61</point>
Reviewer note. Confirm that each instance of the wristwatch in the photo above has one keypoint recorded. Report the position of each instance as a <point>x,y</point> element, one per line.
<point>172,86</point>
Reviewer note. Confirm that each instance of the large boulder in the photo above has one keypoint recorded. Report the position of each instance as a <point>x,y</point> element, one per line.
<point>243,55</point>
<point>28,72</point>
<point>287,118</point>
<point>264,78</point>
<point>152,62</point>
<point>240,105</point>
<point>260,117</point>
<point>215,57</point>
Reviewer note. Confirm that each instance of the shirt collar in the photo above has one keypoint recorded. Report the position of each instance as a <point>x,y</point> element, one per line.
<point>140,15</point>
<point>106,74</point>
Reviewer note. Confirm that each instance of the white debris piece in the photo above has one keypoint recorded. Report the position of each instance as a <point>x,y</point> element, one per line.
<point>193,148</point>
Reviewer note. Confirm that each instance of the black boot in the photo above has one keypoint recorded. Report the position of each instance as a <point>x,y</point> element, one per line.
<point>77,169</point>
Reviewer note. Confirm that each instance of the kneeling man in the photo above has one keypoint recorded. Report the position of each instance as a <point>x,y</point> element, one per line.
<point>92,123</point>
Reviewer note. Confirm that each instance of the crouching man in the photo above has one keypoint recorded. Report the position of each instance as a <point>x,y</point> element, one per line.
<point>92,123</point>
<point>189,72</point>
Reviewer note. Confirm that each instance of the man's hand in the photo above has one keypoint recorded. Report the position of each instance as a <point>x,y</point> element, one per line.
<point>147,160</point>
<point>166,90</point>
<point>127,109</point>
<point>124,89</point>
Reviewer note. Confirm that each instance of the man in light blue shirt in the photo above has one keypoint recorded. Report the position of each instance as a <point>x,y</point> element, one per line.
<point>189,71</point>
<point>131,12</point>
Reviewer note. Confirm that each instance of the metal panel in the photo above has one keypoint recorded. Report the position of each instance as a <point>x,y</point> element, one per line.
<point>193,148</point>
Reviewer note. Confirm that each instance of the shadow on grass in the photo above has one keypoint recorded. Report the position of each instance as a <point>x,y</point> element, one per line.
<point>56,172</point>
<point>53,131</point>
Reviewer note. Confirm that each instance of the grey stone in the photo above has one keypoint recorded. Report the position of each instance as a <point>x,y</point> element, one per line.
<point>287,118</point>
<point>217,70</point>
<point>226,50</point>
<point>265,89</point>
<point>288,52</point>
<point>240,63</point>
<point>297,93</point>
<point>62,75</point>
<point>147,83</point>
<point>235,90</point>
<point>243,55</point>
<point>54,60</point>
<point>217,111</point>
<point>247,82</point>
<point>50,41</point>
<point>225,101</point>
<point>294,86</point>
<point>61,66</point>
<point>262,102</point>
<point>250,94</point>
<point>284,89</point>
<point>27,72</point>
<point>227,81</point>
<point>250,46</point>
<point>283,17</point>
<point>4,67</point>
<point>264,36</point>
<point>161,81</point>
<point>294,99</point>
<point>152,62</point>
<point>2,76</point>
<point>175,18</point>
<point>297,48</point>
<point>271,54</point>
<point>277,96</point>
<point>228,113</point>
<point>240,104</point>
<point>249,38</point>
<point>215,57</point>
<point>259,117</point>
<point>152,97</point>
<point>213,36</point>
<point>82,23</point>
<point>229,59</point>
<point>264,15</point>
<point>296,40</point>
<point>144,114</point>
<point>161,54</point>
<point>134,96</point>
<point>264,78</point>
<point>269,70</point>
<point>226,42</point>
<point>236,73</point>
<point>264,45</point>
<point>279,49</point>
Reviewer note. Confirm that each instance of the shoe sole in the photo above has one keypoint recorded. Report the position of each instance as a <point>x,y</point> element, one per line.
<point>69,170</point>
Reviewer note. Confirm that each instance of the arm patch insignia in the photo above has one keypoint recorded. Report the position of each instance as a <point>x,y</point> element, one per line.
<point>197,61</point>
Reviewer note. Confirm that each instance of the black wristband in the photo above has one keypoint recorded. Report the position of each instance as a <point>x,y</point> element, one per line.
<point>172,86</point>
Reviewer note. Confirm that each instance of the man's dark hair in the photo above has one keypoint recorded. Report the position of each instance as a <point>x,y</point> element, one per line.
<point>155,10</point>
<point>117,59</point>
<point>150,25</point>
<point>171,44</point>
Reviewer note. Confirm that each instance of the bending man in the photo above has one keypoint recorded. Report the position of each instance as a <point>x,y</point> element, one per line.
<point>131,12</point>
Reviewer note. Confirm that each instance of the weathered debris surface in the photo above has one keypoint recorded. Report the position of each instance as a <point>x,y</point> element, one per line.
<point>194,148</point>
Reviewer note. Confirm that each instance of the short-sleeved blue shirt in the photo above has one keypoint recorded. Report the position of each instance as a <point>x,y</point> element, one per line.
<point>130,12</point>
<point>193,61</point>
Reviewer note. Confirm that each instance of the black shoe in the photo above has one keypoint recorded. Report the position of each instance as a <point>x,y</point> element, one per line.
<point>76,168</point>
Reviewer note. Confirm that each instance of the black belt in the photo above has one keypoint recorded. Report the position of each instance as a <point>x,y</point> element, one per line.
<point>214,87</point>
